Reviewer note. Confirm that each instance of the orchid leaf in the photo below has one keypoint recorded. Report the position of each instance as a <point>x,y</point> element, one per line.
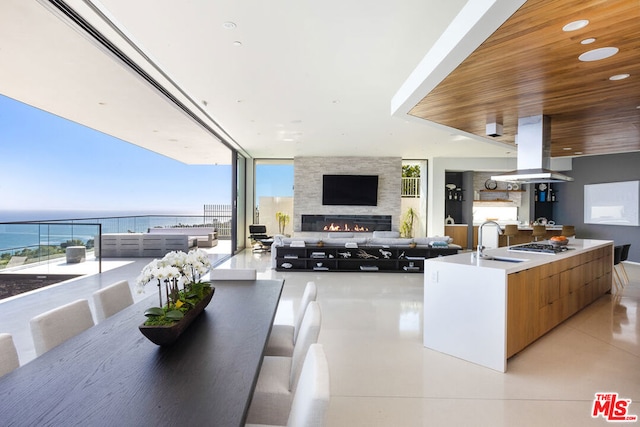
<point>174,315</point>
<point>154,311</point>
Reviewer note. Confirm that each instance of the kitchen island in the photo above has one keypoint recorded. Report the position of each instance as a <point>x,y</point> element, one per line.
<point>486,310</point>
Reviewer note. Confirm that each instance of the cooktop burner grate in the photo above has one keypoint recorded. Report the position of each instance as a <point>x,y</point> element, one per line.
<point>543,248</point>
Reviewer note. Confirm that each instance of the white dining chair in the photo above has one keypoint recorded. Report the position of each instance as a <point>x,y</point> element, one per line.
<point>55,326</point>
<point>110,300</point>
<point>8,355</point>
<point>233,274</point>
<point>283,337</point>
<point>311,399</point>
<point>279,375</point>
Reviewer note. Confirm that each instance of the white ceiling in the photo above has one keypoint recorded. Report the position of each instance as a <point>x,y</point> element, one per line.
<point>309,78</point>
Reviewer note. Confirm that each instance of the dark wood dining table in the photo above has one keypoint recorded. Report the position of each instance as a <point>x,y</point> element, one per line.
<point>112,375</point>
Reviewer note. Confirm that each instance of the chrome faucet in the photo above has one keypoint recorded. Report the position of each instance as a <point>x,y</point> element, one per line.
<point>479,253</point>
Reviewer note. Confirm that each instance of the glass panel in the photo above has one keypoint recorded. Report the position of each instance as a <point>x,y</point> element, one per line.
<point>274,195</point>
<point>241,209</point>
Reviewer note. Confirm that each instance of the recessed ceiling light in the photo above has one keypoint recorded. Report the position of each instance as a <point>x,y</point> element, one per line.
<point>578,152</point>
<point>588,41</point>
<point>598,54</point>
<point>567,148</point>
<point>619,77</point>
<point>237,43</point>
<point>576,25</point>
<point>228,25</point>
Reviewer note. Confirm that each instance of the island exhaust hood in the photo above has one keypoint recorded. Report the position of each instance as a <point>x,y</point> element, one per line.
<point>534,158</point>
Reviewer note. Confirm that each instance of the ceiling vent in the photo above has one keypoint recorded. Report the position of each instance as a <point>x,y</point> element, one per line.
<point>534,153</point>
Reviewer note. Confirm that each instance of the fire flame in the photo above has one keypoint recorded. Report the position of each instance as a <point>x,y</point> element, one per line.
<point>345,227</point>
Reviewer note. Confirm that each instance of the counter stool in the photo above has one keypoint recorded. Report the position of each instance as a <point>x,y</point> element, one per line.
<point>623,257</point>
<point>568,231</point>
<point>510,230</point>
<point>617,256</point>
<point>539,231</point>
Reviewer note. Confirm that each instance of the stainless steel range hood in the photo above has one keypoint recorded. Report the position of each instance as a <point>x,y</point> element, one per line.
<point>534,158</point>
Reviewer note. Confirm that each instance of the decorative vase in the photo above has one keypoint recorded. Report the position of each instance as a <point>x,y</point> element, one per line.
<point>413,244</point>
<point>164,335</point>
<point>320,243</point>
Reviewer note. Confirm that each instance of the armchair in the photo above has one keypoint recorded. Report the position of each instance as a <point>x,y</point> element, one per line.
<point>259,238</point>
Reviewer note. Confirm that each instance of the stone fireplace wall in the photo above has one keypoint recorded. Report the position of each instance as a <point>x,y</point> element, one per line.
<point>307,193</point>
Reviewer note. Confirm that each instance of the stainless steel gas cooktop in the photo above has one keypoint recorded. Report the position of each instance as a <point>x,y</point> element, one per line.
<point>541,248</point>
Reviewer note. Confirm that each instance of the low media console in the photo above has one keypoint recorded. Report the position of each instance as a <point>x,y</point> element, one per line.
<point>364,258</point>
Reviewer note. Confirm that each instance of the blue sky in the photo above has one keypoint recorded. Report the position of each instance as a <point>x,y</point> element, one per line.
<point>49,163</point>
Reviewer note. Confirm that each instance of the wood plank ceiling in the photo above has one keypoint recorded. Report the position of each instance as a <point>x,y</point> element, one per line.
<point>530,66</point>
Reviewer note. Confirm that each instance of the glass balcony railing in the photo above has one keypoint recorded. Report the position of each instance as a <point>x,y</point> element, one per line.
<point>31,242</point>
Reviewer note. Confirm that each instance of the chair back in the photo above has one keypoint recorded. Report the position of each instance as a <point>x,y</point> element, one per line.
<point>539,231</point>
<point>58,325</point>
<point>568,230</point>
<point>8,355</point>
<point>258,231</point>
<point>233,274</point>
<point>617,255</point>
<point>309,331</point>
<point>624,255</point>
<point>510,229</point>
<point>310,294</point>
<point>311,399</point>
<point>110,300</point>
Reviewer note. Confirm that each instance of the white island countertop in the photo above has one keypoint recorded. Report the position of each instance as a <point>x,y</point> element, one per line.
<point>465,300</point>
<point>514,261</point>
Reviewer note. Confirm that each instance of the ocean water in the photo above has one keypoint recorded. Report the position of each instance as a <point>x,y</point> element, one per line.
<point>17,236</point>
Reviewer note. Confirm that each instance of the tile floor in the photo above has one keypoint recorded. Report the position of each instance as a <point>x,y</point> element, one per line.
<point>381,375</point>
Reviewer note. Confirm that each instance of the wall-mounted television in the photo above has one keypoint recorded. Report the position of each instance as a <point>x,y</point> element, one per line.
<point>350,190</point>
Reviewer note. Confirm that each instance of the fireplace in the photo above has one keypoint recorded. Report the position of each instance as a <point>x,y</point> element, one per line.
<point>354,223</point>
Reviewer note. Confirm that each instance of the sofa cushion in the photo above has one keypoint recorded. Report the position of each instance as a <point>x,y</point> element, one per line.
<point>339,234</point>
<point>386,234</point>
<point>343,241</point>
<point>429,240</point>
<point>400,241</point>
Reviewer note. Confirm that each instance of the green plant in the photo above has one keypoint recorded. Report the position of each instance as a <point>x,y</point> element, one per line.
<point>411,171</point>
<point>74,242</point>
<point>406,227</point>
<point>283,220</point>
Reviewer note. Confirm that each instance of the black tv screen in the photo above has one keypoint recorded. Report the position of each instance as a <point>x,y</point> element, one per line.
<point>350,190</point>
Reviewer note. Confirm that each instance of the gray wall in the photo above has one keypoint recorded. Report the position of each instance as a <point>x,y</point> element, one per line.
<point>594,170</point>
<point>307,192</point>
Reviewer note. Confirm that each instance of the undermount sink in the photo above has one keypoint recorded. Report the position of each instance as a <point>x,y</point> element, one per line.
<point>504,259</point>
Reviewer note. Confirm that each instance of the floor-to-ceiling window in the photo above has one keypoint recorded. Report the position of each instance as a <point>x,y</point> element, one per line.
<point>273,205</point>
<point>53,168</point>
<point>414,173</point>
